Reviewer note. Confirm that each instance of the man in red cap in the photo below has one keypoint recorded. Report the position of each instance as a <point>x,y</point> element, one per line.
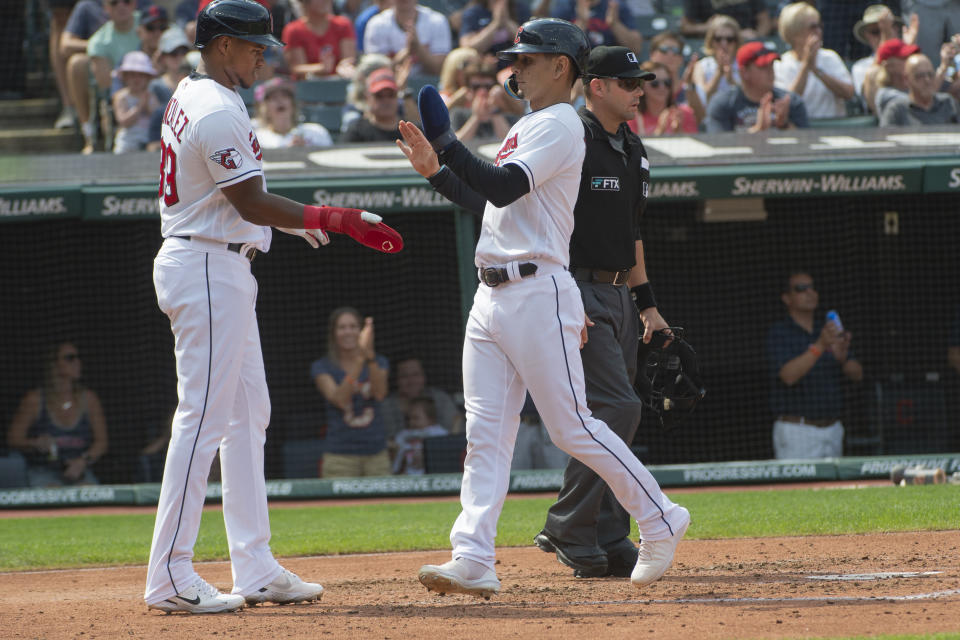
<point>885,79</point>
<point>755,105</point>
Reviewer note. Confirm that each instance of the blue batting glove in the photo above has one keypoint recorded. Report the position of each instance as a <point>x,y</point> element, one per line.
<point>435,118</point>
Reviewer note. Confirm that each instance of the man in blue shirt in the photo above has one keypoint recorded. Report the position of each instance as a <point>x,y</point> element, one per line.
<point>808,357</point>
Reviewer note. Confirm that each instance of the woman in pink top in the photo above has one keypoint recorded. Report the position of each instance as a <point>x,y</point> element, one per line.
<point>658,113</point>
<point>320,43</point>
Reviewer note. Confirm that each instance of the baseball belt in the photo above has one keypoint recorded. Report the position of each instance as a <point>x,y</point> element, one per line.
<point>599,276</point>
<point>244,249</point>
<point>495,276</point>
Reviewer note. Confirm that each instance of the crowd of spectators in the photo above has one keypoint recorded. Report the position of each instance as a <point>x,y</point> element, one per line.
<point>832,60</point>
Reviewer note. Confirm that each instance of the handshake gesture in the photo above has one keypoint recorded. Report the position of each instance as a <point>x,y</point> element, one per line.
<point>366,228</point>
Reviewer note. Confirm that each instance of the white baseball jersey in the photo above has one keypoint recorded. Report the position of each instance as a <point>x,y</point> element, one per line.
<point>548,145</point>
<point>199,160</point>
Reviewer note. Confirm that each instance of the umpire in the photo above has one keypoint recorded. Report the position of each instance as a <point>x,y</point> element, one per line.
<point>587,527</point>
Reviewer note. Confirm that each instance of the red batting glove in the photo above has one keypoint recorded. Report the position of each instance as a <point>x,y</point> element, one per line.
<point>364,227</point>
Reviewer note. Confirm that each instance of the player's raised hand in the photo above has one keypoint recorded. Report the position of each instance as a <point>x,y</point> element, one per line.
<point>418,150</point>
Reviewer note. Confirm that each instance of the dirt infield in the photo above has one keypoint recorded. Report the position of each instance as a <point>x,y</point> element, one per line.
<point>744,588</point>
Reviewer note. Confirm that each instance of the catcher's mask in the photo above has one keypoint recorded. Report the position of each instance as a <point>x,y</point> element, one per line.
<point>668,377</point>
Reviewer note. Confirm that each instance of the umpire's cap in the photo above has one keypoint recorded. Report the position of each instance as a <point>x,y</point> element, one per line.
<point>244,19</point>
<point>550,35</point>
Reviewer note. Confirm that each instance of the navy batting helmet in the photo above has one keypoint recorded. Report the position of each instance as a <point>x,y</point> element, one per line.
<point>550,35</point>
<point>244,19</point>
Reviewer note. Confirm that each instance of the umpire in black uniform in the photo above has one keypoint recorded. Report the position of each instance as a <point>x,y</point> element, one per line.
<point>587,527</point>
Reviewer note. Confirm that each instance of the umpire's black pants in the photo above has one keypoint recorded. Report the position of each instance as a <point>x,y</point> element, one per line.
<point>586,517</point>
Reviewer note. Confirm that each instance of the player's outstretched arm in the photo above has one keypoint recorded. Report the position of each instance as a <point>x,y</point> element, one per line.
<point>259,207</point>
<point>424,159</point>
<point>499,185</point>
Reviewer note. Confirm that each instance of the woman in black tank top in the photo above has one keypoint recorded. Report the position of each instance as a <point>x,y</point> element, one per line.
<point>60,427</point>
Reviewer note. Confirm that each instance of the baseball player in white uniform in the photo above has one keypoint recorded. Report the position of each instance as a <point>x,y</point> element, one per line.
<point>527,322</point>
<point>215,216</point>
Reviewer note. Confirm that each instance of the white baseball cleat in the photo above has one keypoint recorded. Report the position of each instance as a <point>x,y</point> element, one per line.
<point>200,598</point>
<point>454,577</point>
<point>655,556</point>
<point>286,589</point>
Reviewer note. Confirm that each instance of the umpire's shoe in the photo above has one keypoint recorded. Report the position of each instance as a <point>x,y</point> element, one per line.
<point>621,558</point>
<point>460,576</point>
<point>584,563</point>
<point>655,556</point>
<point>200,598</point>
<point>287,588</point>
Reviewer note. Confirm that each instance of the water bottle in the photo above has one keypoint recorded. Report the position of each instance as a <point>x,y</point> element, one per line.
<point>834,317</point>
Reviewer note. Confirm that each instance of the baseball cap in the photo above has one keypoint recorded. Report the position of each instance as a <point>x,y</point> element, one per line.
<point>153,13</point>
<point>136,61</point>
<point>871,16</point>
<point>615,62</point>
<point>756,53</point>
<point>895,48</point>
<point>173,39</point>
<point>379,80</point>
<point>263,91</point>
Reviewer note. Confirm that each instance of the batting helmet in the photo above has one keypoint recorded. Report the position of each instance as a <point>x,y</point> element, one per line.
<point>668,377</point>
<point>244,19</point>
<point>550,35</point>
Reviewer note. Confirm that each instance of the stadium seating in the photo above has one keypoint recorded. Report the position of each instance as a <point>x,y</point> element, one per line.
<point>325,91</point>
<point>329,115</point>
<point>847,122</point>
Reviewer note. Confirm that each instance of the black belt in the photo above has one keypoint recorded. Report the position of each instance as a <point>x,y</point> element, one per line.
<point>495,276</point>
<point>236,247</point>
<point>599,276</point>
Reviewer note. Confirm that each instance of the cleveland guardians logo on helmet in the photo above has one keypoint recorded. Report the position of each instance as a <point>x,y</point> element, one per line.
<point>550,35</point>
<point>244,19</point>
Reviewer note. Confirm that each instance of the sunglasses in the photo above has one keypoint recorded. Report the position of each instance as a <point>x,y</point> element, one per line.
<point>70,357</point>
<point>674,50</point>
<point>724,38</point>
<point>155,27</point>
<point>114,3</point>
<point>803,286</point>
<point>656,84</point>
<point>385,95</point>
<point>872,31</point>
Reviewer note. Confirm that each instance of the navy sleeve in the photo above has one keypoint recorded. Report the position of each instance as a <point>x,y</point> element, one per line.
<point>447,184</point>
<point>498,185</point>
<point>779,350</point>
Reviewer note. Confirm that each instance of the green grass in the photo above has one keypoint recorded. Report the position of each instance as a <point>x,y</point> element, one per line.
<point>98,540</point>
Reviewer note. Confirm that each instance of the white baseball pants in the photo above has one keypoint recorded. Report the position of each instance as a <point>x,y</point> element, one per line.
<point>526,335</point>
<point>209,295</point>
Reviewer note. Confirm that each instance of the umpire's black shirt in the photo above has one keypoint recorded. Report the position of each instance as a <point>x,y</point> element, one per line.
<point>613,196</point>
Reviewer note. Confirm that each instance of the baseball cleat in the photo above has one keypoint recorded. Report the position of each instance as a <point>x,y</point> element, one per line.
<point>584,566</point>
<point>655,556</point>
<point>287,588</point>
<point>200,598</point>
<point>452,577</point>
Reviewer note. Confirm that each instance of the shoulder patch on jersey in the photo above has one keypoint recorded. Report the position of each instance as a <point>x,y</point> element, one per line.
<point>228,158</point>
